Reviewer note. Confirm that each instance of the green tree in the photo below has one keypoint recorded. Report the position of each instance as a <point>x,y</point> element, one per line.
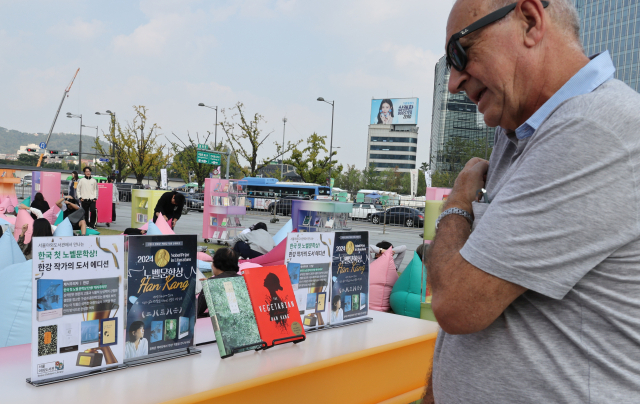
<point>371,178</point>
<point>141,150</point>
<point>185,160</point>
<point>309,163</point>
<point>457,152</point>
<point>350,180</point>
<point>245,138</point>
<point>115,150</point>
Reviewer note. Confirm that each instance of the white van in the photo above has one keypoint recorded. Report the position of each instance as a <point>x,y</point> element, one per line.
<point>363,211</point>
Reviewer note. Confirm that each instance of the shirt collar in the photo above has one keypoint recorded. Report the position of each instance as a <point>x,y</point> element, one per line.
<point>599,70</point>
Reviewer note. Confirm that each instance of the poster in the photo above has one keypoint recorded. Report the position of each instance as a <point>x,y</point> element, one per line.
<point>78,295</point>
<point>163,178</point>
<point>350,276</point>
<point>308,260</point>
<point>414,181</point>
<point>161,305</point>
<point>394,111</point>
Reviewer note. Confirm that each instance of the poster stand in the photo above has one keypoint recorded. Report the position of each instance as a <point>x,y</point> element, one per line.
<point>294,338</point>
<point>160,357</point>
<point>234,350</point>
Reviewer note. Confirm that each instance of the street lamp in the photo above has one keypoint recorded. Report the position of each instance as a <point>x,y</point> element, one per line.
<point>70,115</point>
<point>331,141</point>
<point>113,134</point>
<point>284,120</point>
<point>215,144</point>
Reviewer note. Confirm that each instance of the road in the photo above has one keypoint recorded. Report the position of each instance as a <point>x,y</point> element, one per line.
<point>191,223</point>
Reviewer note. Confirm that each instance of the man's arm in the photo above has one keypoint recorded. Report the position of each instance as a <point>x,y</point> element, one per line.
<point>465,299</point>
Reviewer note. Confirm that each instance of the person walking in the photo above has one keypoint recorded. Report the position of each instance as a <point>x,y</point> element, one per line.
<point>87,193</point>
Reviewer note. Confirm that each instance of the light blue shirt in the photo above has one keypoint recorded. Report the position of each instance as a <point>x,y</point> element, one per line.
<point>599,70</point>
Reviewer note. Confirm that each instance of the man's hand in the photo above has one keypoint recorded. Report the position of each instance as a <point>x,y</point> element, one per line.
<point>469,181</point>
<point>157,214</point>
<point>165,218</point>
<point>25,227</point>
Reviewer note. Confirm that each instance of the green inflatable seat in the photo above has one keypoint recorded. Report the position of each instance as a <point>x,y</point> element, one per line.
<point>405,296</point>
<point>26,202</point>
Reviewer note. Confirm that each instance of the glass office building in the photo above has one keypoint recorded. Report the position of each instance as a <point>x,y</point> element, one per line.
<point>613,25</point>
<point>453,116</point>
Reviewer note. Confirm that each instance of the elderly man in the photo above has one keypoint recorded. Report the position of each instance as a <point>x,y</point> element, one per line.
<point>541,303</point>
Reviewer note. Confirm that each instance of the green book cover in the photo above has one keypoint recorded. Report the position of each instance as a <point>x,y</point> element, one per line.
<point>234,323</point>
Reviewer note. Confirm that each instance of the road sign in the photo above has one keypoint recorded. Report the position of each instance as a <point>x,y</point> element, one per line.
<point>43,145</point>
<point>202,146</point>
<point>103,160</point>
<point>208,158</point>
<point>117,172</point>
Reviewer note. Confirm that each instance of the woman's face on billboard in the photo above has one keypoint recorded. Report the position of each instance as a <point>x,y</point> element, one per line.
<point>384,108</point>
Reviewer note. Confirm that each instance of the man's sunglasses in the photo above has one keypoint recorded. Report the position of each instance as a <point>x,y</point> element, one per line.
<point>456,55</point>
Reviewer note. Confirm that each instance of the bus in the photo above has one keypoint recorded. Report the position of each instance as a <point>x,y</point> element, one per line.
<point>263,191</point>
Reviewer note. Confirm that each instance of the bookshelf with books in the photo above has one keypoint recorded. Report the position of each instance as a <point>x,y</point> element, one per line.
<point>143,203</point>
<point>320,216</point>
<point>224,209</point>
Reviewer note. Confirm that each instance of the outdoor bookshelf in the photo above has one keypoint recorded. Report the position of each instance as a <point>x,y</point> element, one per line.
<point>224,209</point>
<point>143,203</point>
<point>320,216</point>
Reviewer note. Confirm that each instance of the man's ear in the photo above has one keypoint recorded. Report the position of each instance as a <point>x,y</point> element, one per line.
<point>532,15</point>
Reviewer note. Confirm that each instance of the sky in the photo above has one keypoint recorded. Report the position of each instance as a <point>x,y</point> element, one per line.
<point>276,57</point>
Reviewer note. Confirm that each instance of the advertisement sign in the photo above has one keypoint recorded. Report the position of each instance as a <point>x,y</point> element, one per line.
<point>78,296</point>
<point>414,181</point>
<point>394,111</point>
<point>161,305</point>
<point>104,204</point>
<point>308,260</point>
<point>163,178</point>
<point>350,277</point>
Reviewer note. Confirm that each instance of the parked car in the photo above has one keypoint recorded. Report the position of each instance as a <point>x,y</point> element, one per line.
<point>26,181</point>
<point>64,187</point>
<point>193,202</point>
<point>124,189</point>
<point>409,217</point>
<point>364,211</point>
<point>282,206</point>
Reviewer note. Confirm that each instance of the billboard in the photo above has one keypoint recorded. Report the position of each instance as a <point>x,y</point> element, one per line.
<point>394,111</point>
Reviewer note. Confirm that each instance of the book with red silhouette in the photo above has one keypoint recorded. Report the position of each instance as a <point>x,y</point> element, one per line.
<point>274,304</point>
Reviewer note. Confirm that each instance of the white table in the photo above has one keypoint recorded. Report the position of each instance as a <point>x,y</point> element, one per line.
<point>379,360</point>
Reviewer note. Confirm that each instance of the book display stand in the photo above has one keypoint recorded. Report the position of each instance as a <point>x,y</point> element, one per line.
<point>320,216</point>
<point>224,209</point>
<point>143,203</point>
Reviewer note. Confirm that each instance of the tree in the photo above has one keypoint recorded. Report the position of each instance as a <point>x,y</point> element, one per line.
<point>371,178</point>
<point>115,151</point>
<point>240,131</point>
<point>457,152</point>
<point>350,180</point>
<point>310,165</point>
<point>141,150</point>
<point>186,162</point>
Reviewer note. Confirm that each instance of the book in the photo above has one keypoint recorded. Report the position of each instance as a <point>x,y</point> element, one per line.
<point>363,301</point>
<point>156,331</point>
<point>225,188</point>
<point>294,274</point>
<point>217,187</point>
<point>49,295</point>
<point>216,234</point>
<point>142,202</point>
<point>183,327</point>
<point>316,222</point>
<point>214,221</point>
<point>224,222</point>
<point>213,200</point>
<point>170,329</point>
<point>347,303</point>
<point>224,235</point>
<point>241,201</point>
<point>355,302</point>
<point>329,223</point>
<point>231,312</point>
<point>146,204</point>
<point>274,304</point>
<point>47,340</point>
<point>89,331</point>
<point>225,201</point>
<point>306,221</point>
<point>238,224</point>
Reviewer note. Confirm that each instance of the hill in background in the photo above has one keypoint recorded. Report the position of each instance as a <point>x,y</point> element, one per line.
<point>11,140</point>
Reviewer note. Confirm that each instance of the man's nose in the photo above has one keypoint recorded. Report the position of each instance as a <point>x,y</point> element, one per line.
<point>457,80</point>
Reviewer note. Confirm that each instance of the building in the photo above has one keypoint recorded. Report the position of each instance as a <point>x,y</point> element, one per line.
<point>393,140</point>
<point>614,26</point>
<point>454,117</point>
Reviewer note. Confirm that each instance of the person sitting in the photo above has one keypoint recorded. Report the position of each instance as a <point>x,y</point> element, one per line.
<point>39,206</point>
<point>253,244</point>
<point>170,206</point>
<point>72,210</point>
<point>41,228</point>
<point>224,265</point>
<point>382,246</point>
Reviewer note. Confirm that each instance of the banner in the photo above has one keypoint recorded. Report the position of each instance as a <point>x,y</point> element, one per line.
<point>308,260</point>
<point>414,181</point>
<point>104,204</point>
<point>163,178</point>
<point>427,178</point>
<point>394,111</point>
<point>78,298</point>
<point>350,277</point>
<point>161,305</point>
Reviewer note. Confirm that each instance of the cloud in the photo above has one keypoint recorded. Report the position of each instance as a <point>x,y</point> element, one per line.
<point>78,30</point>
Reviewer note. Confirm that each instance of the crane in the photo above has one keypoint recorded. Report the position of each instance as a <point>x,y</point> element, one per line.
<point>66,94</point>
